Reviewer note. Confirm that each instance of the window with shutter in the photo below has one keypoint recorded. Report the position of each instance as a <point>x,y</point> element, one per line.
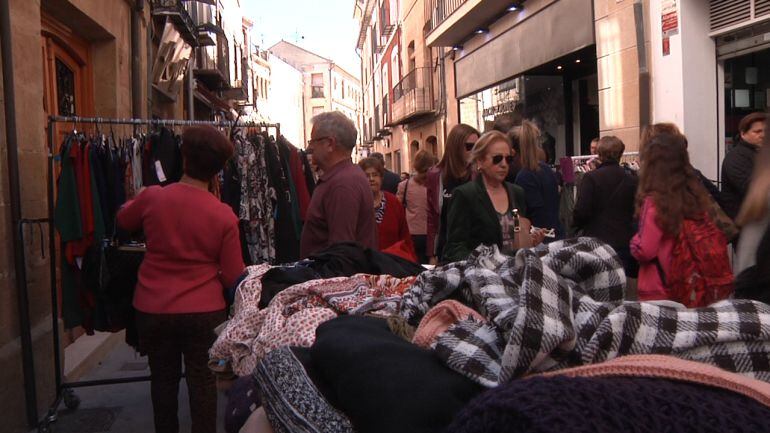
<point>761,8</point>
<point>727,13</point>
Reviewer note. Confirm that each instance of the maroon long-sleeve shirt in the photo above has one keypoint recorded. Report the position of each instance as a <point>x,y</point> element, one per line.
<point>341,210</point>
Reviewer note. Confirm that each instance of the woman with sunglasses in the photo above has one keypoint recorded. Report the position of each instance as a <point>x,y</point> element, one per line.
<point>452,171</point>
<point>541,188</point>
<point>483,210</point>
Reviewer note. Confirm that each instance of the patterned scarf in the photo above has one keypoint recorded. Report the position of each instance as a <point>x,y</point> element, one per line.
<point>379,211</point>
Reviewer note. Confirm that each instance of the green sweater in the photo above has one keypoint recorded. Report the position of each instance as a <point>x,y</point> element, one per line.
<point>473,221</point>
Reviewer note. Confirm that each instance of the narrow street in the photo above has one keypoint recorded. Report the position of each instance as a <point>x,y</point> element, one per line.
<point>122,408</point>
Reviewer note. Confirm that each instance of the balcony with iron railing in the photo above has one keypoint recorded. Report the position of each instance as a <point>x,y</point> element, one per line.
<point>450,22</point>
<point>177,12</point>
<point>240,86</point>
<point>413,97</point>
<point>204,17</point>
<point>213,64</point>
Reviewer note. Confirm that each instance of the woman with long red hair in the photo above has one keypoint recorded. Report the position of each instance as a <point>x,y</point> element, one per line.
<point>669,194</point>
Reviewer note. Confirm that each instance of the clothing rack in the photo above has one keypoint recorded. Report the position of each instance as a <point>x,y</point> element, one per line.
<point>64,390</point>
<point>588,157</point>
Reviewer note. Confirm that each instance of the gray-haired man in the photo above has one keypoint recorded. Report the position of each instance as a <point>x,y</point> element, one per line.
<point>342,208</point>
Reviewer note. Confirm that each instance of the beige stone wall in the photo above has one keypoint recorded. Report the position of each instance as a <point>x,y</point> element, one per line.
<point>108,31</point>
<point>618,69</point>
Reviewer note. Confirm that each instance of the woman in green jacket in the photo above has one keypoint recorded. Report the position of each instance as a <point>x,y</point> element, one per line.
<point>482,208</point>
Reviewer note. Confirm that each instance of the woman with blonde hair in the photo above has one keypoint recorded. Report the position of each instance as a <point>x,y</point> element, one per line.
<point>752,264</point>
<point>539,182</point>
<point>413,194</point>
<point>487,210</point>
<point>452,171</point>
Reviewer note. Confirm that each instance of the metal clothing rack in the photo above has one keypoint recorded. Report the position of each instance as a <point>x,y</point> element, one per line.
<point>64,390</point>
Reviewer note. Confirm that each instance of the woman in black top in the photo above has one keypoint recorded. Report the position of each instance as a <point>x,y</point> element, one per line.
<point>605,202</point>
<point>483,211</point>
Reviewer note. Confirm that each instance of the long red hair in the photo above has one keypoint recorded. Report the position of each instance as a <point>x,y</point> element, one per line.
<point>667,176</point>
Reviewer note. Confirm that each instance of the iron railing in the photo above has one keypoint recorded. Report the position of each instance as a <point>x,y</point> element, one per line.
<point>178,13</point>
<point>437,11</point>
<point>413,95</point>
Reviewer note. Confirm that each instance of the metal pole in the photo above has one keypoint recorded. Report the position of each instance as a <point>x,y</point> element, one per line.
<point>52,258</point>
<point>28,361</point>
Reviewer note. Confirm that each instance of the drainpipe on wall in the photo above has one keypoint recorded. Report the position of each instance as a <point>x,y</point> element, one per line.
<point>136,59</point>
<point>644,70</point>
<point>28,361</point>
<point>191,86</point>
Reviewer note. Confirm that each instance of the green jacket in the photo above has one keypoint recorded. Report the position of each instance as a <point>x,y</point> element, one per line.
<point>473,221</point>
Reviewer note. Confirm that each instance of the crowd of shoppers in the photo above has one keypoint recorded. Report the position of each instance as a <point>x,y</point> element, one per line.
<point>491,189</point>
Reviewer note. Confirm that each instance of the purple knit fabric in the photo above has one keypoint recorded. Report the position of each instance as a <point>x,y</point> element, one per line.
<point>610,404</point>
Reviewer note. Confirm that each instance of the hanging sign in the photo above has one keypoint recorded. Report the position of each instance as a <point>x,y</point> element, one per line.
<point>669,18</point>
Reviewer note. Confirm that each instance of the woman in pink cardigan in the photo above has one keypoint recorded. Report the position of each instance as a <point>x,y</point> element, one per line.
<point>669,192</point>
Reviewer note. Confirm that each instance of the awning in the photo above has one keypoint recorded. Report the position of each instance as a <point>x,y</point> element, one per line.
<point>561,28</point>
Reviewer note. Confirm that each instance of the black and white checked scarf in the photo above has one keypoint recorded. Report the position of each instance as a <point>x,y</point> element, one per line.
<point>561,305</point>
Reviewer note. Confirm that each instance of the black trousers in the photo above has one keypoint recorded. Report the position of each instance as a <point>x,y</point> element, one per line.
<point>420,244</point>
<point>168,340</point>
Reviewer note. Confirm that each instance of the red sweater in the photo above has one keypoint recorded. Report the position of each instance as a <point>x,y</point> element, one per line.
<point>394,227</point>
<point>193,249</point>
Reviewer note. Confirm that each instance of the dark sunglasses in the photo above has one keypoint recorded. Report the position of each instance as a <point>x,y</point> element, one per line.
<point>469,146</point>
<point>497,159</point>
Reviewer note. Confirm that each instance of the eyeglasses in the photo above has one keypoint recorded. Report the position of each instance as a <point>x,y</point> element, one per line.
<point>316,140</point>
<point>469,146</point>
<point>497,159</point>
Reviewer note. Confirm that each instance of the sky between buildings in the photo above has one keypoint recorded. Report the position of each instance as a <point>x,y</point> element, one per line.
<point>325,27</point>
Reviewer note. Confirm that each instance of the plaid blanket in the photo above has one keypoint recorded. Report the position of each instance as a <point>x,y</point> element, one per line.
<point>561,305</point>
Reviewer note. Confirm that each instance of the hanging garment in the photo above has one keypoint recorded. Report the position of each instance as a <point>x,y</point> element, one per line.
<point>287,238</point>
<point>300,181</point>
<point>257,200</point>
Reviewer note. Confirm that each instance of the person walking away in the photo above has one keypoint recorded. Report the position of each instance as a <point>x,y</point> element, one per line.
<point>193,253</point>
<point>752,263</point>
<point>452,171</point>
<point>389,214</point>
<point>413,195</point>
<point>682,254</point>
<point>540,185</point>
<point>487,210</point>
<point>738,165</point>
<point>341,208</point>
<point>669,128</point>
<point>605,203</point>
<point>390,180</point>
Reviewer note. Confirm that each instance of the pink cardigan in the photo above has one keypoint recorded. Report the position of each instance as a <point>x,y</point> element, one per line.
<point>651,246</point>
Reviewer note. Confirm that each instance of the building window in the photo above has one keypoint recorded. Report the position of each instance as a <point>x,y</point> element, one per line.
<point>317,82</point>
<point>317,110</point>
<point>65,89</point>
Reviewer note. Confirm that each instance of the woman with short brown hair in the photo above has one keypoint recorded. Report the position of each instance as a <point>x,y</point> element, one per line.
<point>193,254</point>
<point>388,211</point>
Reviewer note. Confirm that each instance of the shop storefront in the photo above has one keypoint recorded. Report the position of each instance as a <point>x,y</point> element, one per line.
<point>560,96</point>
<point>541,67</point>
<point>744,59</point>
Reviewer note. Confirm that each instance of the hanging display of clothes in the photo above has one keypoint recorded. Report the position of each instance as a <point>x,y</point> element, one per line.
<point>97,175</point>
<point>265,184</point>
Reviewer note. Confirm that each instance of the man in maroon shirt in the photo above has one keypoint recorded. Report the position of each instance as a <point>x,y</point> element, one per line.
<point>341,209</point>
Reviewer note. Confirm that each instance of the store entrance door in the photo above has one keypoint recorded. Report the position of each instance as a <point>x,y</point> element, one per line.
<point>67,74</point>
<point>66,92</point>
